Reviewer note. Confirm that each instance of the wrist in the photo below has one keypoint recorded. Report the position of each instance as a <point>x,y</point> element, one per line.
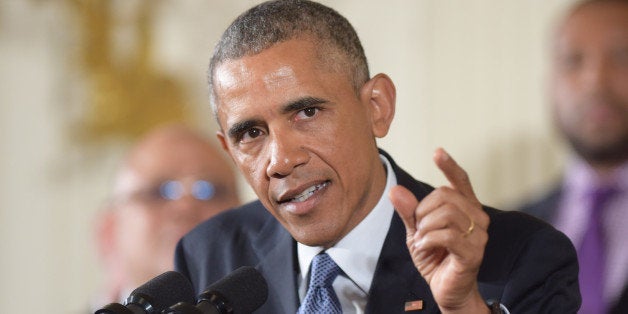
<point>474,305</point>
<point>497,308</point>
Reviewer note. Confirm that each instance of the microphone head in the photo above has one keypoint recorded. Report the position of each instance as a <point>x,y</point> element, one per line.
<point>162,291</point>
<point>244,290</point>
<point>114,308</point>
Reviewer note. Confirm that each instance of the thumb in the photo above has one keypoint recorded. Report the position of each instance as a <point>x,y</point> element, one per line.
<point>405,204</point>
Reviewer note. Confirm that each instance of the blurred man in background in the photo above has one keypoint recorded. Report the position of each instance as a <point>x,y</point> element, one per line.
<point>170,181</point>
<point>589,93</point>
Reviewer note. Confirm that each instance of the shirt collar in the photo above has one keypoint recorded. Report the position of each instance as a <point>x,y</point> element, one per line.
<point>581,178</point>
<point>357,253</point>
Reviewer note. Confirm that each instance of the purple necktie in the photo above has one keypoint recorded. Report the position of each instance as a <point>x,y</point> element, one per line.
<point>591,255</point>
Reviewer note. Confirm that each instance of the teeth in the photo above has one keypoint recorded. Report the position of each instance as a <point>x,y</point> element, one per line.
<point>308,193</point>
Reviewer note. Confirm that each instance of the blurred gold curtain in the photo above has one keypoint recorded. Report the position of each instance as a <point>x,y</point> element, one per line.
<point>126,93</point>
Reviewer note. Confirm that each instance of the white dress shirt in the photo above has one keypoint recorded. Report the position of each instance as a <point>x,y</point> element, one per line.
<point>356,254</point>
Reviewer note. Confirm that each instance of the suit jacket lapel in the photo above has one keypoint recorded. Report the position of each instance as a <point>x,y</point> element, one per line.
<point>396,280</point>
<point>276,250</point>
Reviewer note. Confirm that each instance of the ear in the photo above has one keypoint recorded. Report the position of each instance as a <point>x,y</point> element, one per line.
<point>105,234</point>
<point>108,251</point>
<point>379,95</point>
<point>223,141</point>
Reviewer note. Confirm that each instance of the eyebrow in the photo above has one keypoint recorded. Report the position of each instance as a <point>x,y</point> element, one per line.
<point>301,104</point>
<point>296,105</point>
<point>239,127</point>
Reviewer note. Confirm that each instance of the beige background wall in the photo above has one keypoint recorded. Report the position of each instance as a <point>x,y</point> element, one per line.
<point>469,75</point>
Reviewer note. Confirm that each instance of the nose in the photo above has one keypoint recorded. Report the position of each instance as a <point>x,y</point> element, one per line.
<point>186,205</point>
<point>286,153</point>
<point>597,75</point>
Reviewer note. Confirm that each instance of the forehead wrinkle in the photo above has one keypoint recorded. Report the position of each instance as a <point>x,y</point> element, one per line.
<point>280,76</point>
<point>232,74</point>
<point>232,80</point>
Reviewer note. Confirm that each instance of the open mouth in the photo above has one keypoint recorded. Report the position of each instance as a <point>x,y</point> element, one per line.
<point>307,193</point>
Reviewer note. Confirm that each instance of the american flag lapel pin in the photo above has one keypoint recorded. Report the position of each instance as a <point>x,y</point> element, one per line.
<point>413,305</point>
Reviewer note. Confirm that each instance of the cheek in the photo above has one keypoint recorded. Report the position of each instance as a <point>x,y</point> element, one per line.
<point>567,114</point>
<point>253,168</point>
<point>622,87</point>
<point>344,140</point>
<point>564,96</point>
<point>564,89</point>
<point>135,230</point>
<point>143,223</point>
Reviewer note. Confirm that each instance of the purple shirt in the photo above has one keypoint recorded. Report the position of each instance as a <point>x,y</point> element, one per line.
<point>572,217</point>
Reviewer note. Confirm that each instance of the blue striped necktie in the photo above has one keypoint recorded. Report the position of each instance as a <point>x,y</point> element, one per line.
<point>320,297</point>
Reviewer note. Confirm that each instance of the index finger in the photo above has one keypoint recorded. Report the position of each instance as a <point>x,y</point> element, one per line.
<point>456,176</point>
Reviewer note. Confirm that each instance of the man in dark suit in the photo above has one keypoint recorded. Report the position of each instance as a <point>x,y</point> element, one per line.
<point>299,114</point>
<point>589,94</point>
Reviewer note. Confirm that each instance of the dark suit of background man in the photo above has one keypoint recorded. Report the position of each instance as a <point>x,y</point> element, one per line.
<point>299,115</point>
<point>589,94</point>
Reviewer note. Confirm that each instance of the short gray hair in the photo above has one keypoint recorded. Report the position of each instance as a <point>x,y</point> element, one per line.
<point>278,21</point>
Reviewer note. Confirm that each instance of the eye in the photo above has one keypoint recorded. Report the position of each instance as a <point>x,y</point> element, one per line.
<point>203,190</point>
<point>250,135</point>
<point>571,61</point>
<point>171,190</point>
<point>307,113</point>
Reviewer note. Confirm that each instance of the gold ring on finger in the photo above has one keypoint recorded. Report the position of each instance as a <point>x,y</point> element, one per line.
<point>470,229</point>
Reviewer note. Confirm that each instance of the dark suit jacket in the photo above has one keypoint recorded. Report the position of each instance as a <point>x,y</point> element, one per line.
<point>546,208</point>
<point>528,265</point>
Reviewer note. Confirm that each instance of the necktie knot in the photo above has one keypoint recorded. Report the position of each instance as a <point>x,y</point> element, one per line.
<point>320,297</point>
<point>600,196</point>
<point>324,271</point>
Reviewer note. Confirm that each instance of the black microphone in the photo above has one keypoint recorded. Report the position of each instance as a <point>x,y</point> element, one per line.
<point>241,292</point>
<point>114,308</point>
<point>154,296</point>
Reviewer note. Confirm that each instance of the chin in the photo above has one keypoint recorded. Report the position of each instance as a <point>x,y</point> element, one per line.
<point>316,238</point>
<point>315,242</point>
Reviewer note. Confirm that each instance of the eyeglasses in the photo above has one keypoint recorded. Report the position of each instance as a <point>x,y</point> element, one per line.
<point>172,190</point>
